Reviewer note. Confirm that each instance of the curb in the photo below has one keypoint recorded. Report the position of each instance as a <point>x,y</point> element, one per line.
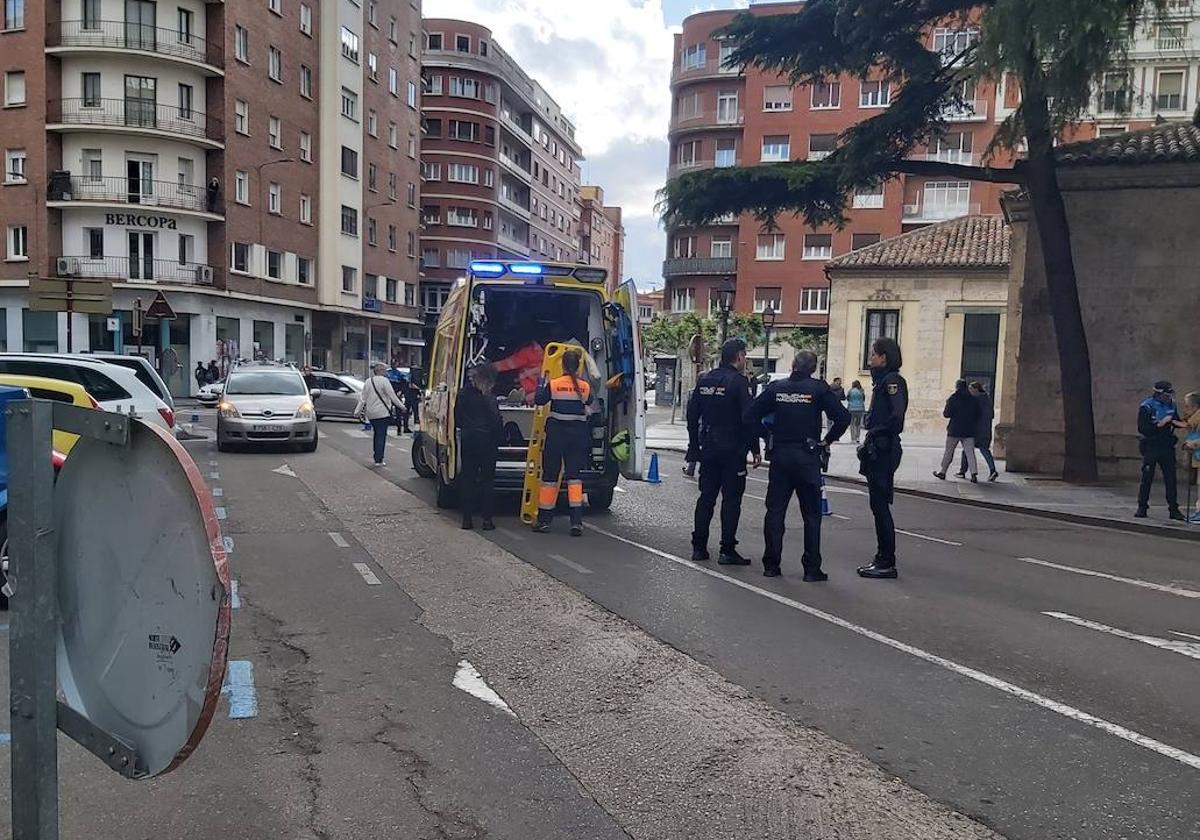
<point>1191,534</point>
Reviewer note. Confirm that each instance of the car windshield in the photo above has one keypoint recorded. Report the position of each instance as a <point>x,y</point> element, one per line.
<point>267,383</point>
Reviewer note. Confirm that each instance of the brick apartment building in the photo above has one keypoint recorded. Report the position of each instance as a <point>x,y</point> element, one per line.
<point>723,117</point>
<point>500,161</point>
<point>602,234</point>
<point>194,150</point>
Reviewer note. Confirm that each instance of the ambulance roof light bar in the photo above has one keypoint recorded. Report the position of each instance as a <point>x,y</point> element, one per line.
<point>535,272</point>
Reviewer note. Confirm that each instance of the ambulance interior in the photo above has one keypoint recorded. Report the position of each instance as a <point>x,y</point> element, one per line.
<point>510,326</point>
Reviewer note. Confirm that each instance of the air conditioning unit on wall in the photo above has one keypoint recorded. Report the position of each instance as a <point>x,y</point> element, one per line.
<point>204,274</point>
<point>66,266</point>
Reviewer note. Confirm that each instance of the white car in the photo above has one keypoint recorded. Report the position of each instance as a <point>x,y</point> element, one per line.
<point>115,388</point>
<point>210,394</point>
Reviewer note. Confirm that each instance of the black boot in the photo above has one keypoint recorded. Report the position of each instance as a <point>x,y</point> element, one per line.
<point>1142,513</point>
<point>1177,515</point>
<point>815,576</point>
<point>730,557</point>
<point>878,570</point>
<point>700,555</point>
<point>772,572</point>
<point>468,524</point>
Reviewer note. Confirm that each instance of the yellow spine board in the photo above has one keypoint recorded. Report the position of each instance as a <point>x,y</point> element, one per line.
<point>551,369</point>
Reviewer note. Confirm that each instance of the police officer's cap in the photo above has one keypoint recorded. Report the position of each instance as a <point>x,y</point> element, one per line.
<point>1163,387</point>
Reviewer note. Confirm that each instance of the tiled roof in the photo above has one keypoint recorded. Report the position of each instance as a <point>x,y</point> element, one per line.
<point>1171,143</point>
<point>969,242</point>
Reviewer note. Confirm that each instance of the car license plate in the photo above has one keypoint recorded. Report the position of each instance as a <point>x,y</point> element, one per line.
<point>261,428</point>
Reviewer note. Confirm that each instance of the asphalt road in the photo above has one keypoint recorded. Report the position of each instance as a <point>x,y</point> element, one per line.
<point>1040,676</point>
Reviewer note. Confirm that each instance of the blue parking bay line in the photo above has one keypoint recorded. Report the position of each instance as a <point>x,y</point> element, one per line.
<point>5,738</point>
<point>239,687</point>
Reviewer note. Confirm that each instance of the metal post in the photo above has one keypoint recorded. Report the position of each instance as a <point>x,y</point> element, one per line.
<point>34,618</point>
<point>767,354</point>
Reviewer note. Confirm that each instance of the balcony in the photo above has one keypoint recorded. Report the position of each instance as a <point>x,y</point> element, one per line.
<point>126,270</point>
<point>137,116</point>
<point>952,156</point>
<point>515,128</point>
<point>974,110</point>
<point>693,266</point>
<point>511,243</point>
<point>169,195</point>
<point>515,168</point>
<point>922,212</point>
<point>709,119</point>
<point>514,206</point>
<point>119,36</point>
<point>709,69</point>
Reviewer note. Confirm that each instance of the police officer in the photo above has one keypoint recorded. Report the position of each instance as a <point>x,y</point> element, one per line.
<point>1157,421</point>
<point>720,441</point>
<point>797,451</point>
<point>879,453</point>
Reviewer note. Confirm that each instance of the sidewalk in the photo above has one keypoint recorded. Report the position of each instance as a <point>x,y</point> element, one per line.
<point>1109,505</point>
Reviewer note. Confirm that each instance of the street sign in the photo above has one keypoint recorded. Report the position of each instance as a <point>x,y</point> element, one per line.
<point>114,324</point>
<point>159,308</point>
<point>91,297</point>
<point>139,321</point>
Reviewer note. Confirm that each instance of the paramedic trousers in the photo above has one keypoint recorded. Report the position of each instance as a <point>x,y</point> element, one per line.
<point>568,444</point>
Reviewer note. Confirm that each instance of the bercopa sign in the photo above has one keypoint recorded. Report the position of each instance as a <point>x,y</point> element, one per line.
<point>138,220</point>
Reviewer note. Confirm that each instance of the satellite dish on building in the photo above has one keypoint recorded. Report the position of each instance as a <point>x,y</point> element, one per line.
<point>143,585</point>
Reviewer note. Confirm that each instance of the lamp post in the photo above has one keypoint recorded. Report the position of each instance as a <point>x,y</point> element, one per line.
<point>768,318</point>
<point>724,302</point>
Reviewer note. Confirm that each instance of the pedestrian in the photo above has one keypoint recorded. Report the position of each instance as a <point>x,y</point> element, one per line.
<point>567,442</point>
<point>375,404</point>
<point>880,453</point>
<point>720,440</point>
<point>477,418</point>
<point>201,375</point>
<point>1157,421</point>
<point>412,401</point>
<point>1191,418</point>
<point>856,402</point>
<point>799,404</point>
<point>983,432</point>
<point>963,412</point>
<point>836,387</point>
<point>400,386</point>
<point>213,194</point>
<point>214,372</point>
<point>310,381</point>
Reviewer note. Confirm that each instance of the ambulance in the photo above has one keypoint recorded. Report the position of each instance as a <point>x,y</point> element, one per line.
<point>505,313</point>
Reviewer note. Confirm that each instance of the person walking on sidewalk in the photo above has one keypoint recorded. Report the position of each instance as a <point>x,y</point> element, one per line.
<point>983,433</point>
<point>799,404</point>
<point>1191,419</point>
<point>567,442</point>
<point>856,402</point>
<point>880,453</point>
<point>1156,423</point>
<point>963,411</point>
<point>719,439</point>
<point>201,376</point>
<point>477,418</point>
<point>376,403</point>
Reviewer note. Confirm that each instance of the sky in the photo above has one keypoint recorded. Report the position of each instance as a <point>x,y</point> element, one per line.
<point>608,64</point>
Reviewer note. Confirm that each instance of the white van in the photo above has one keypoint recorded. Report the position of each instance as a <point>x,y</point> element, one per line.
<point>115,388</point>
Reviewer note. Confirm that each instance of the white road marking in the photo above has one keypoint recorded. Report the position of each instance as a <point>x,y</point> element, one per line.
<point>285,470</point>
<point>215,476</point>
<point>1173,753</point>
<point>620,489</point>
<point>570,564</point>
<point>228,541</point>
<point>839,516</point>
<point>930,539</point>
<point>752,496</point>
<point>367,575</point>
<point>235,600</point>
<point>217,492</point>
<point>212,463</point>
<point>508,532</point>
<point>468,679</point>
<point>1185,635</point>
<point>221,513</point>
<point>359,433</point>
<point>1144,584</point>
<point>338,540</point>
<point>1191,649</point>
<point>239,688</point>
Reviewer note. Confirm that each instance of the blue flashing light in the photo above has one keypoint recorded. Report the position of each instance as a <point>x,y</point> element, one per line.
<point>526,268</point>
<point>491,269</point>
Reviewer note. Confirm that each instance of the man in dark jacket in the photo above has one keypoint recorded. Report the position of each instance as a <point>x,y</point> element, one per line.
<point>477,417</point>
<point>880,452</point>
<point>963,411</point>
<point>1157,421</point>
<point>798,404</point>
<point>983,433</point>
<point>719,440</point>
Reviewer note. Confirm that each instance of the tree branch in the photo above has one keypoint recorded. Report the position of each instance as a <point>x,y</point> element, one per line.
<point>940,169</point>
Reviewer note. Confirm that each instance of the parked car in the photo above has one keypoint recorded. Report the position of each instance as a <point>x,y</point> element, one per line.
<point>210,394</point>
<point>145,372</point>
<point>114,388</point>
<point>267,403</point>
<point>58,390</point>
<point>339,394</point>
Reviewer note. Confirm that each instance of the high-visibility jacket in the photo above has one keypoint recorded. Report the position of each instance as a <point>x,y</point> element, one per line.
<point>568,398</point>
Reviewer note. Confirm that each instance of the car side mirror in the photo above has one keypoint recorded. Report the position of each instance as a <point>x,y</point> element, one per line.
<point>315,393</point>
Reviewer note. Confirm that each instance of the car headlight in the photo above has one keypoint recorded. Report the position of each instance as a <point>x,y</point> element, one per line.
<point>228,411</point>
<point>305,411</point>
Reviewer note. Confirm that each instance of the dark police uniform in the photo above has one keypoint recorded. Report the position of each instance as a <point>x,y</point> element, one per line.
<point>880,454</point>
<point>1157,446</point>
<point>719,440</point>
<point>798,404</point>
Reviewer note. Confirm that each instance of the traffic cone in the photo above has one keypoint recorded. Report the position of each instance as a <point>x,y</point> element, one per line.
<point>826,508</point>
<point>652,476</point>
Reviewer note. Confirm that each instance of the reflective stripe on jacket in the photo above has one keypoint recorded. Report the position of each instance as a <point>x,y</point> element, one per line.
<point>568,398</point>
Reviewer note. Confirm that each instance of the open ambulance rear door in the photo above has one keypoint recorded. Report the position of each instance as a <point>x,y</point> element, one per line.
<point>628,400</point>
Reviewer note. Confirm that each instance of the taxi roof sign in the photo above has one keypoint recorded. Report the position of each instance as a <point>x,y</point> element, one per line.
<point>531,271</point>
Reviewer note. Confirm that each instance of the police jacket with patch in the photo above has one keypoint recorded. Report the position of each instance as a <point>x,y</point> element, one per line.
<point>798,403</point>
<point>1152,412</point>
<point>889,404</point>
<point>714,415</point>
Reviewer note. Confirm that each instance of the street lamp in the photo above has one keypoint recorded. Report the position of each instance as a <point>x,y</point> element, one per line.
<point>724,302</point>
<point>263,208</point>
<point>768,318</point>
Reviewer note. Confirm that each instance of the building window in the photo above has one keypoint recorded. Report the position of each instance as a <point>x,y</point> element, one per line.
<point>683,300</point>
<point>431,214</point>
<point>275,132</point>
<point>241,257</point>
<point>459,130</point>
<point>826,95</point>
<point>462,217</point>
<point>946,199</point>
<point>304,271</point>
<point>877,94</point>
<point>393,185</point>
<point>412,194</point>
<point>90,86</point>
<point>1169,95</point>
<point>305,147</point>
<point>722,247</point>
<point>684,247</point>
<point>14,166</point>
<point>951,43</point>
<point>306,78</point>
<point>464,88</point>
<point>694,57</point>
<point>1114,92</point>
<point>868,198</point>
<point>372,123</point>
<point>393,81</point>
<point>462,43</point>
<point>412,244</point>
<point>241,187</point>
<point>777,98</point>
<point>863,240</point>
<point>391,289</point>
<point>434,41</point>
<point>275,6</point>
<point>952,147</point>
<point>349,45</point>
<point>186,94</point>
<point>776,148</point>
<point>91,15</point>
<point>274,198</point>
<point>726,155</point>
<point>768,298</point>
<point>372,13</point>
<point>818,246</point>
<point>18,242</point>
<point>431,258</point>
<point>394,136</point>
<point>814,300</point>
<point>93,164</point>
<point>411,96</point>
<point>305,209</point>
<point>186,251</point>
<point>95,240</point>
<point>349,220</point>
<point>372,232</point>
<point>349,104</point>
<point>241,44</point>
<point>372,177</point>
<point>770,246</point>
<point>275,265</point>
<point>241,116</point>
<point>349,278</point>
<point>821,146</point>
<point>880,323</point>
<point>372,67</point>
<point>412,144</point>
<point>1171,37</point>
<point>306,19</point>
<point>14,14</point>
<point>392,233</point>
<point>275,64</point>
<point>462,173</point>
<point>14,88</point>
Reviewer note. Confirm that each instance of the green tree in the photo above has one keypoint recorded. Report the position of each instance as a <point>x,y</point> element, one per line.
<point>804,338</point>
<point>1058,50</point>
